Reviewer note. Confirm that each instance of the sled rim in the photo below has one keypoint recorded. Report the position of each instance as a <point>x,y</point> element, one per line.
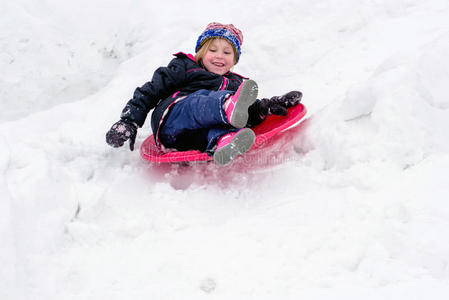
<point>264,132</point>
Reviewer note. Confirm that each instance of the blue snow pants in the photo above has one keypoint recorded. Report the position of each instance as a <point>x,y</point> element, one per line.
<point>196,122</point>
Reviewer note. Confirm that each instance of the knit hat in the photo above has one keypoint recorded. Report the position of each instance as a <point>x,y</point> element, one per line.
<point>226,31</point>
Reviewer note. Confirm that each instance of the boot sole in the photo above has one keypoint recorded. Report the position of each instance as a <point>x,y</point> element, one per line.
<point>240,144</point>
<point>247,96</point>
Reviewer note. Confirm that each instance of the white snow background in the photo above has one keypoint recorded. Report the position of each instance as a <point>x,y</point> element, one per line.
<point>356,206</point>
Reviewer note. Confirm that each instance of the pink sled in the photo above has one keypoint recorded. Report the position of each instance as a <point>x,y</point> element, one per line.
<point>264,131</point>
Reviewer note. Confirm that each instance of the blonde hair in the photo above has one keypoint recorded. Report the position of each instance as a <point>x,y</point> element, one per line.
<point>206,46</point>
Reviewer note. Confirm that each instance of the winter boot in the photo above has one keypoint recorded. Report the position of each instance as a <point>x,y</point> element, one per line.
<point>232,144</point>
<point>236,107</point>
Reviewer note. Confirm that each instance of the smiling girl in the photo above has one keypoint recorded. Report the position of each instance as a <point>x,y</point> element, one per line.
<point>199,104</point>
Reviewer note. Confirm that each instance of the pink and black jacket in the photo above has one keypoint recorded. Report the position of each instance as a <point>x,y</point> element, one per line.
<point>181,77</point>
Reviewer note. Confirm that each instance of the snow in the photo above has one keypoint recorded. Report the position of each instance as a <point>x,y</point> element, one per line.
<point>355,208</point>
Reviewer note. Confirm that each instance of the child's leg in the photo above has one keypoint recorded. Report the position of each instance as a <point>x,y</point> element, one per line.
<point>197,121</point>
<point>214,134</point>
<point>207,109</point>
<point>225,143</point>
<point>188,123</point>
<point>236,107</point>
<point>233,144</point>
<point>201,109</point>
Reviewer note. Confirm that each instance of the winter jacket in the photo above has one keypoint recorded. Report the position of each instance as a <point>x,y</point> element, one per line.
<point>181,77</point>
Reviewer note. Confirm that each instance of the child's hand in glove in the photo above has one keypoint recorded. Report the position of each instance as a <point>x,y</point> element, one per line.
<point>278,105</point>
<point>120,132</point>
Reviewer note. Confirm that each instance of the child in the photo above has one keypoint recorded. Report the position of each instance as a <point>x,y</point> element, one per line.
<point>199,104</point>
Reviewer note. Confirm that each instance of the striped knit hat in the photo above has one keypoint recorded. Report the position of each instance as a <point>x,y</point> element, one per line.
<point>226,31</point>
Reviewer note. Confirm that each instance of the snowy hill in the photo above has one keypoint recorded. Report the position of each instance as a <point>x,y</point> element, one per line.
<point>355,207</point>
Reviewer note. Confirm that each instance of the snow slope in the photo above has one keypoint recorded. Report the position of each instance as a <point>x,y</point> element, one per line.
<point>355,207</point>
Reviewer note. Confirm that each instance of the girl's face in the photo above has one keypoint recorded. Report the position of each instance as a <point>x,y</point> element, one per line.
<point>219,58</point>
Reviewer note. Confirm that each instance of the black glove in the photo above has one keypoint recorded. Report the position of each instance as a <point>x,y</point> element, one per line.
<point>278,105</point>
<point>120,132</point>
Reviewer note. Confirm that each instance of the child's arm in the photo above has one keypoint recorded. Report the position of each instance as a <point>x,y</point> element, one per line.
<point>165,82</point>
<point>276,105</point>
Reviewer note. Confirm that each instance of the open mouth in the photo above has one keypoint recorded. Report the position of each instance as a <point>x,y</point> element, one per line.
<point>218,64</point>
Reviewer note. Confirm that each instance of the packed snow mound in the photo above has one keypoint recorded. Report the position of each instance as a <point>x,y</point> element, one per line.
<point>352,204</point>
<point>56,54</point>
<point>399,114</point>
